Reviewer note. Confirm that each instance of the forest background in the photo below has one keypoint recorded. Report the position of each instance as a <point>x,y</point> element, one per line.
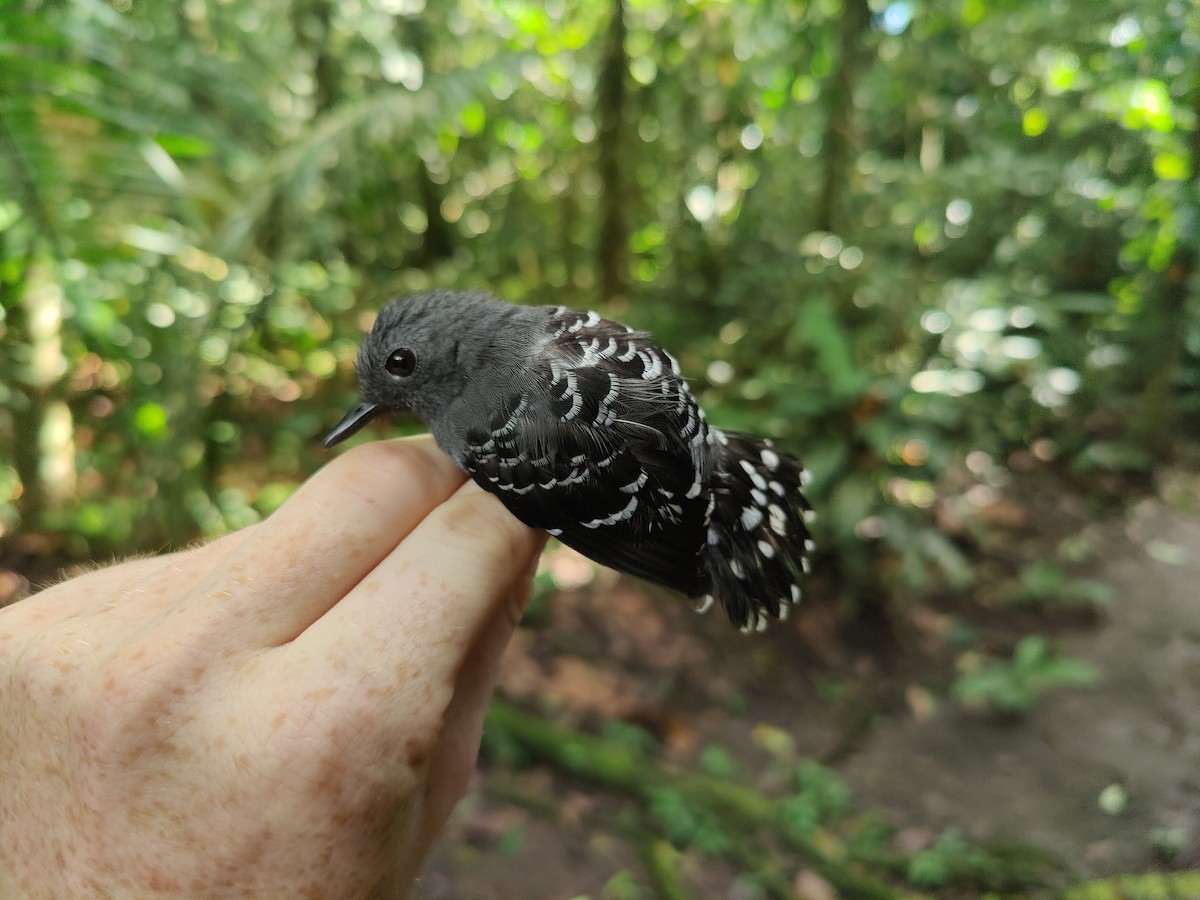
<point>943,249</point>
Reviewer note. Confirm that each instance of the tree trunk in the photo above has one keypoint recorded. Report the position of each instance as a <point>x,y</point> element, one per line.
<point>570,216</point>
<point>311,20</point>
<point>613,248</point>
<point>1164,324</point>
<point>43,433</point>
<point>437,243</point>
<point>838,147</point>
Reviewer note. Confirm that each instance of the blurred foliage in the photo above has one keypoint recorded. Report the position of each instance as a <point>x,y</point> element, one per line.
<point>1012,687</point>
<point>952,859</point>
<point>892,235</point>
<point>729,818</point>
<point>821,797</point>
<point>1137,887</point>
<point>1046,585</point>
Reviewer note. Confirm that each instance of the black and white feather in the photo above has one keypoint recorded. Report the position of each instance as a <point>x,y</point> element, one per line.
<point>585,428</point>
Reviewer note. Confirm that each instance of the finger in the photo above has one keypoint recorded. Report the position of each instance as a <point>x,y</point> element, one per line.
<point>77,592</point>
<point>458,744</point>
<point>141,594</point>
<point>317,546</point>
<point>421,610</point>
<point>456,748</point>
<point>134,589</point>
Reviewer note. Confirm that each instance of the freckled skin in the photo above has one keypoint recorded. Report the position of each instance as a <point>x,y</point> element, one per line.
<point>294,706</point>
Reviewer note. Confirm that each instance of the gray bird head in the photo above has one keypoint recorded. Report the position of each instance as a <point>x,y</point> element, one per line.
<point>409,361</point>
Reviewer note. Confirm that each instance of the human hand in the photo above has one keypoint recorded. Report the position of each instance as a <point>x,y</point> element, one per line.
<point>289,711</point>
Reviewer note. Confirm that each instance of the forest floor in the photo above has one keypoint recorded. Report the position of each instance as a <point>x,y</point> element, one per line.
<point>1104,778</point>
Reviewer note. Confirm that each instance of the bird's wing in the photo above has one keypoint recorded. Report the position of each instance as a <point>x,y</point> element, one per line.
<point>604,447</point>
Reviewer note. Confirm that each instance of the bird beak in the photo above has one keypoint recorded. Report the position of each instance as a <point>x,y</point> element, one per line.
<point>352,423</point>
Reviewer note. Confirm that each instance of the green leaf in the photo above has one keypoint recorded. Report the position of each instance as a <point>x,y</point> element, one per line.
<point>822,331</point>
<point>184,146</point>
<point>151,420</point>
<point>1030,651</point>
<point>1042,579</point>
<point>1171,166</point>
<point>1014,686</point>
<point>510,841</point>
<point>474,118</point>
<point>1148,105</point>
<point>624,886</point>
<point>1034,121</point>
<point>1066,671</point>
<point>717,762</point>
<point>801,814</point>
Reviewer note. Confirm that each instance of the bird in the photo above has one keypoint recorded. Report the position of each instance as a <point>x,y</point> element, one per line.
<point>585,428</point>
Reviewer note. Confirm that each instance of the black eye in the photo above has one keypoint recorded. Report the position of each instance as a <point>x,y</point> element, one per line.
<point>401,363</point>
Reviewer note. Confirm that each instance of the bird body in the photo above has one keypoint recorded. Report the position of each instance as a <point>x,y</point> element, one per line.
<point>584,427</point>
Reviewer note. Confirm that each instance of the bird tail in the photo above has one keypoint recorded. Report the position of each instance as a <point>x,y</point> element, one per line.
<point>758,539</point>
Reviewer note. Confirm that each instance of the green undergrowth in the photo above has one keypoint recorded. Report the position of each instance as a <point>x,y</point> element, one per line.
<point>806,820</point>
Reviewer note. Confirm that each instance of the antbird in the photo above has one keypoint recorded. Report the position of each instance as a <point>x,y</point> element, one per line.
<point>585,428</point>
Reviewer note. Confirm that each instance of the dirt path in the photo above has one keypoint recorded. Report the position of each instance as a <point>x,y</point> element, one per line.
<point>1039,780</point>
